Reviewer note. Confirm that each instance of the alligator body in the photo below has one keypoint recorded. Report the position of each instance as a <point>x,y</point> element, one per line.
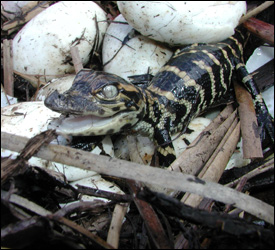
<point>195,78</point>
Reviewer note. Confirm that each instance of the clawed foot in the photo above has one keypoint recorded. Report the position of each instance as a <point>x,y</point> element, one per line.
<point>266,126</point>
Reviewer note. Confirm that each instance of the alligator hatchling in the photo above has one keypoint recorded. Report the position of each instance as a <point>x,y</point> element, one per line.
<point>195,78</point>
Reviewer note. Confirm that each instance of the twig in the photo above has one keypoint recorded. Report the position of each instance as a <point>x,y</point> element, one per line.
<point>146,174</point>
<point>217,166</point>
<point>23,202</point>
<point>8,67</point>
<point>151,220</point>
<point>261,169</point>
<point>35,80</point>
<point>193,158</point>
<point>9,167</point>
<point>82,230</point>
<point>256,11</point>
<point>104,194</point>
<point>227,223</point>
<point>221,149</point>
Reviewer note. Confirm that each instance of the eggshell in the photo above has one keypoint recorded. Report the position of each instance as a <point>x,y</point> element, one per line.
<point>183,22</point>
<point>197,125</point>
<point>42,46</point>
<point>31,118</point>
<point>60,84</point>
<point>6,99</point>
<point>136,57</point>
<point>12,9</point>
<point>26,118</point>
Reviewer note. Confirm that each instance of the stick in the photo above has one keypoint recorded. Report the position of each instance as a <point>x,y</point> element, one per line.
<point>215,170</point>
<point>261,29</point>
<point>146,174</point>
<point>261,169</point>
<point>252,146</point>
<point>116,224</point>
<point>151,220</point>
<point>256,11</point>
<point>194,157</point>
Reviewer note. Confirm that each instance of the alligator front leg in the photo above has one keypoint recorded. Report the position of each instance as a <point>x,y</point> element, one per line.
<point>265,120</point>
<point>165,150</point>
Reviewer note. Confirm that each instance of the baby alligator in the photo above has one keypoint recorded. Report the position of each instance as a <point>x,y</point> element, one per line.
<point>195,78</point>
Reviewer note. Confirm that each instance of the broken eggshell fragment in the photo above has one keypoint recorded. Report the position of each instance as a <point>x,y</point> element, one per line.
<point>60,84</point>
<point>30,119</point>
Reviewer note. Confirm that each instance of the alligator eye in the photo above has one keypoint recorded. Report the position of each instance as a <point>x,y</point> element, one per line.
<point>110,91</point>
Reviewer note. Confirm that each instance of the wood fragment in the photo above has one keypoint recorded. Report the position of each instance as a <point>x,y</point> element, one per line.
<point>82,230</point>
<point>261,29</point>
<point>23,202</point>
<point>8,67</point>
<point>146,174</point>
<point>221,117</point>
<point>217,165</point>
<point>76,59</point>
<point>252,146</point>
<point>227,139</point>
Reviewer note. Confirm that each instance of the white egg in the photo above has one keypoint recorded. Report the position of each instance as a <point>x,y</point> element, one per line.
<point>136,56</point>
<point>42,46</point>
<point>183,22</point>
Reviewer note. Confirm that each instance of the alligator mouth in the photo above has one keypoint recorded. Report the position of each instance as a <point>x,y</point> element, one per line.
<point>78,125</point>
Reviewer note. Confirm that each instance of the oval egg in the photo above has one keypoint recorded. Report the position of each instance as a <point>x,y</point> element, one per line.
<point>133,58</point>
<point>42,46</point>
<point>183,22</point>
